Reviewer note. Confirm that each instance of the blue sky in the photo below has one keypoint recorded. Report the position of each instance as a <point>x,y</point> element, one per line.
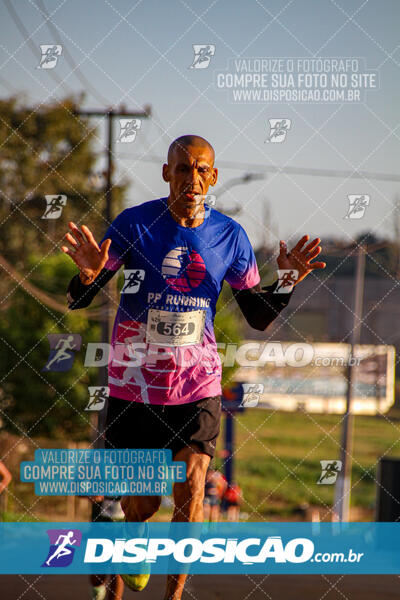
<point>139,52</point>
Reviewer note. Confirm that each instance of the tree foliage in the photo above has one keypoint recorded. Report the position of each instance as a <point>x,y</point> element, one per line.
<point>45,151</point>
<point>48,150</point>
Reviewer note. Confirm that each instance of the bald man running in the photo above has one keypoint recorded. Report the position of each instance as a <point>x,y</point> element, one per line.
<point>180,251</point>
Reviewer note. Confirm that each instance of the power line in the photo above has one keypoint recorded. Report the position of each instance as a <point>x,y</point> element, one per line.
<point>40,295</point>
<point>9,87</point>
<point>276,169</point>
<point>25,34</point>
<point>157,122</point>
<point>75,68</point>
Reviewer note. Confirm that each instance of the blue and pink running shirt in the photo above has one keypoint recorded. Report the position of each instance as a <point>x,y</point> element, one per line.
<point>164,348</point>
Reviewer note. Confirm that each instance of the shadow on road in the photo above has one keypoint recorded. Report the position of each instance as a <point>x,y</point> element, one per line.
<point>215,587</point>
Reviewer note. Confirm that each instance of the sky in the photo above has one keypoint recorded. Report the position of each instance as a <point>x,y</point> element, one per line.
<point>140,53</point>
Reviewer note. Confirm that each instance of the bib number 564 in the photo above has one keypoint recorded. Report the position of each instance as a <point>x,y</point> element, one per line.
<point>175,329</point>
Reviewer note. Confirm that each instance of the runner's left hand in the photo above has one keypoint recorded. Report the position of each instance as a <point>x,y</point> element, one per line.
<point>299,258</point>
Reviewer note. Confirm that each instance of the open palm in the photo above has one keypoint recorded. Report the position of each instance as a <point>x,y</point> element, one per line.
<point>299,258</point>
<point>88,256</point>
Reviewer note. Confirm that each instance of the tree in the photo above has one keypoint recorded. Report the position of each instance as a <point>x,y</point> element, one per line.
<point>45,151</point>
<point>34,402</point>
<point>48,150</point>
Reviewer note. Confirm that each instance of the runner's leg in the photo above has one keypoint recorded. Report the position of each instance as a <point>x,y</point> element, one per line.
<point>115,588</point>
<point>140,508</point>
<point>207,511</point>
<point>188,497</point>
<point>214,517</point>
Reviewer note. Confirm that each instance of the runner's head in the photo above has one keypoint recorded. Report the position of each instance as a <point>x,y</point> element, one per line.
<point>189,171</point>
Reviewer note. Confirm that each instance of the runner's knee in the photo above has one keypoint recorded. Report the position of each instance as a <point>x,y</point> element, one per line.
<point>140,508</point>
<point>189,491</point>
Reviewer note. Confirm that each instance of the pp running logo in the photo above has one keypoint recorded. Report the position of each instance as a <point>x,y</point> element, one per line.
<point>182,269</point>
<point>62,542</point>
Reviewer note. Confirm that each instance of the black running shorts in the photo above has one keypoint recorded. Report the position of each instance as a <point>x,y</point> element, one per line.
<point>137,425</point>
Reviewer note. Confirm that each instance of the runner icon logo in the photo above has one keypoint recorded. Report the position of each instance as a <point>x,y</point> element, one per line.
<point>329,471</point>
<point>202,55</point>
<point>286,280</point>
<point>97,397</point>
<point>54,206</point>
<point>50,55</point>
<point>61,551</point>
<point>128,129</point>
<point>251,394</point>
<point>278,129</point>
<point>132,280</point>
<point>62,348</point>
<point>357,206</point>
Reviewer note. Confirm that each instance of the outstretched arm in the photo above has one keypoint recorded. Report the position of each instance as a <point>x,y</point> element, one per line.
<point>260,306</point>
<point>80,295</point>
<point>90,259</point>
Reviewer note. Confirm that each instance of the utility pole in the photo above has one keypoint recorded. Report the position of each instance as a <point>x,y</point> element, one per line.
<point>109,293</point>
<point>343,482</point>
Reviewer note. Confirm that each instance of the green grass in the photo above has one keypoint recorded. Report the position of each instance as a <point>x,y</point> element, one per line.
<point>9,517</point>
<point>277,460</point>
<point>277,464</point>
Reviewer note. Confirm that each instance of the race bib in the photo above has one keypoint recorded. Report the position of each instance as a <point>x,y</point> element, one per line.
<point>166,328</point>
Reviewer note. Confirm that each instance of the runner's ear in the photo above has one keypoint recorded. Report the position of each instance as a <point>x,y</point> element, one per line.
<point>165,172</point>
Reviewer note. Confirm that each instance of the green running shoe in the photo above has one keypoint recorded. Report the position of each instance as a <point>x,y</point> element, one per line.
<point>99,592</point>
<point>136,583</point>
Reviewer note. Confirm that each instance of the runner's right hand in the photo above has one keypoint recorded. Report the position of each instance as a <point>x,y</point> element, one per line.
<point>85,252</point>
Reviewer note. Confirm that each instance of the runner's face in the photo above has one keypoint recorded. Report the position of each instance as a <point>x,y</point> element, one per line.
<point>189,172</point>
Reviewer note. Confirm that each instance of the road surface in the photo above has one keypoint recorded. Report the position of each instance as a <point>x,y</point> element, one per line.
<point>215,587</point>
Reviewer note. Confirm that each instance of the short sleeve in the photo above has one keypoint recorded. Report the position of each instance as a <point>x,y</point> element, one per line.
<point>118,232</point>
<point>243,271</point>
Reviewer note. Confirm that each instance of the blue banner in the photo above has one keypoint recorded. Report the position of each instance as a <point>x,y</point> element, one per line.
<point>88,472</point>
<point>217,548</point>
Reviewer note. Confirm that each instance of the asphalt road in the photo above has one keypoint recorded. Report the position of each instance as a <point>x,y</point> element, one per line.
<point>215,587</point>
